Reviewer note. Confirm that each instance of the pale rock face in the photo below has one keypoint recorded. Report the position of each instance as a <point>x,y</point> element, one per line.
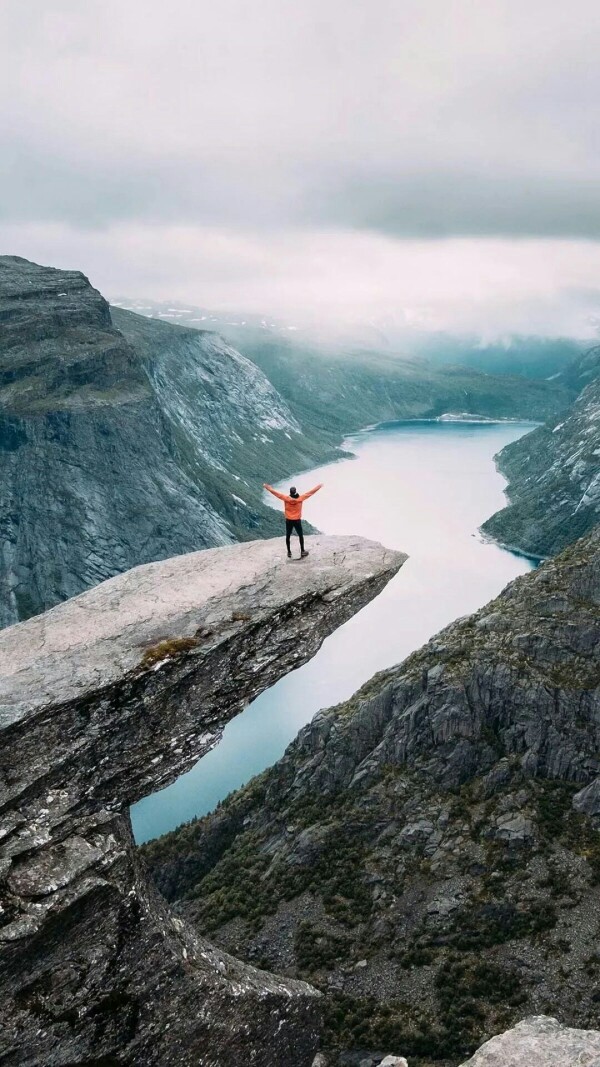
<point>588,799</point>
<point>104,699</point>
<point>516,830</point>
<point>540,1042</point>
<point>208,388</point>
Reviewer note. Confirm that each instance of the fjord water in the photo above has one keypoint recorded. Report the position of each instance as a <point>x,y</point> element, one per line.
<point>423,487</point>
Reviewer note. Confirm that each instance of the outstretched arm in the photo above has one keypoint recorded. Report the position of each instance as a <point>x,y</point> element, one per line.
<point>305,496</point>
<point>280,496</point>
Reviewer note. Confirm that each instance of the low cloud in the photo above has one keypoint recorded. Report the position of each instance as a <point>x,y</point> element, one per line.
<point>337,278</point>
<point>426,158</point>
<point>415,118</point>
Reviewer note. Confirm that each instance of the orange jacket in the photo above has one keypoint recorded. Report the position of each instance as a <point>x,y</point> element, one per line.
<point>293,504</point>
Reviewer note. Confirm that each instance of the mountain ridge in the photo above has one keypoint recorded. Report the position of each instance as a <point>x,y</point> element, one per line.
<point>343,387</point>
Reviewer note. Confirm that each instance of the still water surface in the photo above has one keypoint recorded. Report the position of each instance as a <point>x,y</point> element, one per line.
<point>423,487</point>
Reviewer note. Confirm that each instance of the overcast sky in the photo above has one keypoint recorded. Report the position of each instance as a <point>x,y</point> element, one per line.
<point>335,158</point>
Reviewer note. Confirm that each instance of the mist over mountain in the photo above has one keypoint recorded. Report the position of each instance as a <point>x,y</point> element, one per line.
<point>527,355</point>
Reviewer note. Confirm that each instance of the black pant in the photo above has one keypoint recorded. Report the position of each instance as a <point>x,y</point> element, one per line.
<point>294,524</point>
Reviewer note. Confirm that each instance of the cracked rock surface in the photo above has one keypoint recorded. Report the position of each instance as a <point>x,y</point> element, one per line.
<point>103,700</point>
<point>540,1042</point>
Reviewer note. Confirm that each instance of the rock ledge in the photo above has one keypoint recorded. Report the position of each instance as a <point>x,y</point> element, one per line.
<point>104,699</point>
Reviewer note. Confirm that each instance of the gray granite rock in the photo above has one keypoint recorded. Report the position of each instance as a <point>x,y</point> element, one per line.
<point>588,799</point>
<point>539,1041</point>
<point>104,699</point>
<point>515,829</point>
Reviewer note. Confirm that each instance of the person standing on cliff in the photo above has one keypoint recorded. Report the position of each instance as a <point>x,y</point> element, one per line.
<point>293,514</point>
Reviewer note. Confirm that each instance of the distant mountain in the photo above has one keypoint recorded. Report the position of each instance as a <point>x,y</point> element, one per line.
<point>583,370</point>
<point>554,473</point>
<point>427,853</point>
<point>347,390</point>
<point>337,388</point>
<point>528,356</point>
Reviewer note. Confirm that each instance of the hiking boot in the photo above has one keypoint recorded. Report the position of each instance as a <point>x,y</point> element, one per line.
<point>303,553</point>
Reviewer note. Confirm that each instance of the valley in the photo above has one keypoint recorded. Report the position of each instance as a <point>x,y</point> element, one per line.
<point>420,487</point>
<point>424,853</point>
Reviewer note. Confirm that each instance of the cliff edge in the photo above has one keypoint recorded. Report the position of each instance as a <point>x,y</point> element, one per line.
<point>104,699</point>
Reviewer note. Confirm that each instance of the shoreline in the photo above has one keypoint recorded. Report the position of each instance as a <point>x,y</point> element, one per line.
<point>513,549</point>
<point>489,539</point>
<point>445,419</point>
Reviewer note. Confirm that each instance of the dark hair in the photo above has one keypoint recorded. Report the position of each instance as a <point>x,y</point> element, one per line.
<point>293,491</point>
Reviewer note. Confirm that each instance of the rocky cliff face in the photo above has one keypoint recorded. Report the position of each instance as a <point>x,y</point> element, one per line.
<point>225,413</point>
<point>121,447</point>
<point>103,700</point>
<point>427,853</point>
<point>554,477</point>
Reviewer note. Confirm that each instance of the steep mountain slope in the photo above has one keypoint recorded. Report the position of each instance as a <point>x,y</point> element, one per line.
<point>114,453</point>
<point>222,404</point>
<point>428,852</point>
<point>554,478</point>
<point>582,370</point>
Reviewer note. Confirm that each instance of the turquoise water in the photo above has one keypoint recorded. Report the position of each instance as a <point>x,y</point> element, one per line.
<point>420,487</point>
